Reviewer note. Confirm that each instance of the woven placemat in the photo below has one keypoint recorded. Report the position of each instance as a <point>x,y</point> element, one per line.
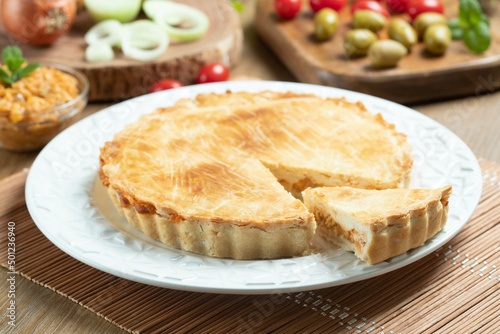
<point>453,290</point>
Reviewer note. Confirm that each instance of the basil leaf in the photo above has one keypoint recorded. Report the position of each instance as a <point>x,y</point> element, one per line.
<point>12,52</point>
<point>477,38</point>
<point>27,70</point>
<point>14,64</point>
<point>456,28</point>
<point>4,76</point>
<point>470,12</point>
<point>485,19</point>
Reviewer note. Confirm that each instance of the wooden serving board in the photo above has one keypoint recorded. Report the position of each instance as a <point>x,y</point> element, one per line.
<point>418,77</point>
<point>124,77</point>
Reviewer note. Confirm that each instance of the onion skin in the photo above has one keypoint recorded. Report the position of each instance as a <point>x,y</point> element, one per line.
<point>37,22</point>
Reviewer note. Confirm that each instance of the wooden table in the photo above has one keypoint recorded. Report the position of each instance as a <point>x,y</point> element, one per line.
<point>475,119</point>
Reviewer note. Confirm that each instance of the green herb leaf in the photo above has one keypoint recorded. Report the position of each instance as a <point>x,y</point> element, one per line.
<point>478,37</point>
<point>456,28</point>
<point>14,64</point>
<point>13,58</point>
<point>470,12</point>
<point>238,5</point>
<point>4,76</point>
<point>27,70</point>
<point>485,19</point>
<point>12,52</point>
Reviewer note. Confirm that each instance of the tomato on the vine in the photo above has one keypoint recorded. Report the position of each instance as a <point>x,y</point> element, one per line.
<point>165,84</point>
<point>417,7</point>
<point>317,5</point>
<point>397,6</point>
<point>370,5</point>
<point>287,9</point>
<point>213,72</point>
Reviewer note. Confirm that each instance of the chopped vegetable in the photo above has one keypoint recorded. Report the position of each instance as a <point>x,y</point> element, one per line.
<point>13,58</point>
<point>99,51</point>
<point>181,22</point>
<point>108,32</point>
<point>472,25</point>
<point>120,10</point>
<point>144,40</point>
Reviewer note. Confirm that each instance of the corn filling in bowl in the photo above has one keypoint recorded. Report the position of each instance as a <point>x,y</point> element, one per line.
<point>39,106</point>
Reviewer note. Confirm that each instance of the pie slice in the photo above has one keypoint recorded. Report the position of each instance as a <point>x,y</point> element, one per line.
<point>209,175</point>
<point>378,224</point>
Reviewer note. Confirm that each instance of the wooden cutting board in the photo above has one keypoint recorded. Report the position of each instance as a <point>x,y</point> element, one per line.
<point>124,77</point>
<point>418,77</point>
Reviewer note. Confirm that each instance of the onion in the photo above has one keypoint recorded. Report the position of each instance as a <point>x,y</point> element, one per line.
<point>121,10</point>
<point>37,22</point>
<point>144,40</point>
<point>99,51</point>
<point>169,15</point>
<point>109,32</point>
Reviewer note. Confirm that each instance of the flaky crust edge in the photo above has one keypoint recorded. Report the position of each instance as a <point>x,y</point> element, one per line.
<point>223,239</point>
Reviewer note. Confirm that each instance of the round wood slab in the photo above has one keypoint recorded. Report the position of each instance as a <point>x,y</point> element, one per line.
<point>124,77</point>
<point>418,77</point>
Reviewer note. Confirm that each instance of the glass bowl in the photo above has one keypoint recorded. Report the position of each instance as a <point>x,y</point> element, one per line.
<point>29,136</point>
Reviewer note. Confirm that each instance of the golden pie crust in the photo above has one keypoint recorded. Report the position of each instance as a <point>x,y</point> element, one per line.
<point>209,175</point>
<point>378,224</point>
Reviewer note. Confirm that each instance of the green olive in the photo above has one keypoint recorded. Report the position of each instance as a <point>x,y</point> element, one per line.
<point>358,41</point>
<point>425,20</point>
<point>437,38</point>
<point>326,23</point>
<point>403,32</point>
<point>368,19</point>
<point>386,53</point>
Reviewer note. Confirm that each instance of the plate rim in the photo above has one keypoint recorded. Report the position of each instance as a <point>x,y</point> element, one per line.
<point>252,289</point>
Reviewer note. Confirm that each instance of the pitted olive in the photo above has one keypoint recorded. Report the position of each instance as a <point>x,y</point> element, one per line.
<point>368,19</point>
<point>358,41</point>
<point>425,20</point>
<point>386,53</point>
<point>402,32</point>
<point>326,23</point>
<point>437,37</point>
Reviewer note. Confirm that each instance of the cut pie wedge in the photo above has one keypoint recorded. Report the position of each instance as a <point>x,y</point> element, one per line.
<point>378,224</point>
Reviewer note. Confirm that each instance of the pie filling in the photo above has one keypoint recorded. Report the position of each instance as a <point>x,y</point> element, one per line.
<point>335,231</point>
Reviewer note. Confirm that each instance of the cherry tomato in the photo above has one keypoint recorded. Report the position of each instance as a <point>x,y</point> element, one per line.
<point>287,9</point>
<point>417,7</point>
<point>397,6</point>
<point>213,72</point>
<point>370,5</point>
<point>165,84</point>
<point>318,5</point>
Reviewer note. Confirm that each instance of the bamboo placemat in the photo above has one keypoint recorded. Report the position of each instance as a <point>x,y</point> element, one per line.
<point>453,290</point>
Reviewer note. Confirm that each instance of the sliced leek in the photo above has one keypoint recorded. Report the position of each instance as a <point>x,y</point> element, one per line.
<point>144,40</point>
<point>109,32</point>
<point>171,16</point>
<point>99,51</point>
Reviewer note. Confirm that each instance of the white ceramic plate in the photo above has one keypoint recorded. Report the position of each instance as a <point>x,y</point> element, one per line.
<point>65,205</point>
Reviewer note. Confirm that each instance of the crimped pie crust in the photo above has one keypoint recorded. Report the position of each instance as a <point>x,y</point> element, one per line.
<point>378,224</point>
<point>208,175</point>
<point>223,238</point>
